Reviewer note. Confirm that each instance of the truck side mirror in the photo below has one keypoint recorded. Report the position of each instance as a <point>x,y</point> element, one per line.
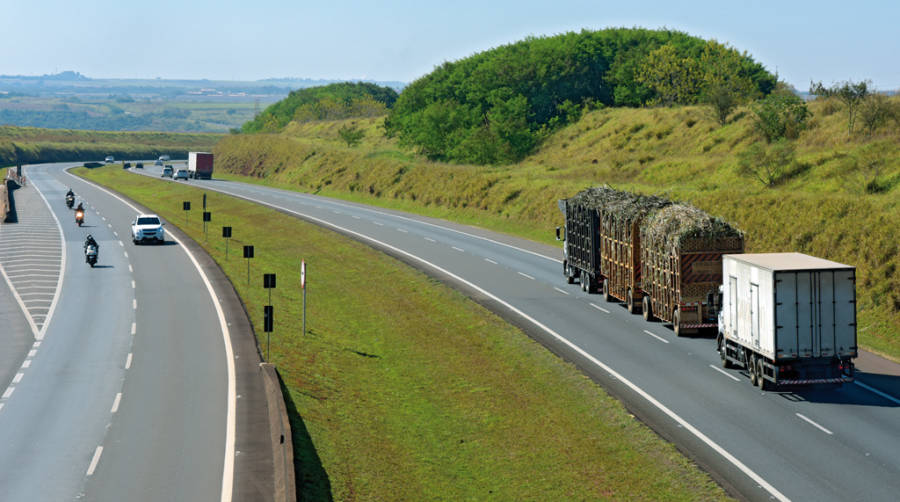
<point>557,234</point>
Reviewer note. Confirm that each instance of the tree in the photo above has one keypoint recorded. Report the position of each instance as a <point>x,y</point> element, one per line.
<point>779,115</point>
<point>850,93</point>
<point>351,134</point>
<point>875,111</point>
<point>767,164</point>
<point>673,78</point>
<point>724,86</point>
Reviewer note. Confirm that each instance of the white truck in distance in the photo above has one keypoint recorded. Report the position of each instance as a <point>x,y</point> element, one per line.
<point>789,318</point>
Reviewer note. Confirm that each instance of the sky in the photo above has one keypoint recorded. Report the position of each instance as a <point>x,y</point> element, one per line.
<point>400,40</point>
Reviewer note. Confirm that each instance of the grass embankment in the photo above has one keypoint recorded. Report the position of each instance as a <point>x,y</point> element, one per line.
<point>410,391</point>
<point>822,208</point>
<point>32,145</point>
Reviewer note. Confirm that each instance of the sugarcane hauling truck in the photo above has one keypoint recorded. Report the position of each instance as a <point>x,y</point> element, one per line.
<point>682,266</point>
<point>661,258</point>
<point>788,318</point>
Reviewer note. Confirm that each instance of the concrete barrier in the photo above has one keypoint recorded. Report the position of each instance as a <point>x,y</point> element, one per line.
<point>4,202</point>
<point>280,428</point>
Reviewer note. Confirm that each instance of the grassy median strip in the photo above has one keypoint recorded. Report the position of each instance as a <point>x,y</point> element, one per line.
<point>404,389</point>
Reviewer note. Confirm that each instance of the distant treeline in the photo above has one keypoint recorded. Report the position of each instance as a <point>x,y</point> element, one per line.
<point>330,102</point>
<point>497,105</point>
<point>169,119</point>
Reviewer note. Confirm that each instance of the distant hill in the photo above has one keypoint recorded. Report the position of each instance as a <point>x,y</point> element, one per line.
<point>329,102</point>
<point>497,105</point>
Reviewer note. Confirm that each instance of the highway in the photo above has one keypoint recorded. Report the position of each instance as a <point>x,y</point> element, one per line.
<point>117,382</point>
<point>817,443</point>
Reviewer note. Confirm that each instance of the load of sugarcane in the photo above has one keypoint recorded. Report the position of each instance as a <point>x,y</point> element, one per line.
<point>666,225</point>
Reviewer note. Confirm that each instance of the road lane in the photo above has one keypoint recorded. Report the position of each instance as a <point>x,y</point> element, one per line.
<point>760,431</point>
<point>140,330</point>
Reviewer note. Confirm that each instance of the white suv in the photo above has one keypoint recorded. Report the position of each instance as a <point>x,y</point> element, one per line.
<point>147,227</point>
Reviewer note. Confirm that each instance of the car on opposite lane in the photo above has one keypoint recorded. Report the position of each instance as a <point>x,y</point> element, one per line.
<point>147,227</point>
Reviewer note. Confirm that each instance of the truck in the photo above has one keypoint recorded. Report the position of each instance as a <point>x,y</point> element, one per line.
<point>681,257</point>
<point>602,245</point>
<point>200,165</point>
<point>788,318</point>
<point>661,258</point>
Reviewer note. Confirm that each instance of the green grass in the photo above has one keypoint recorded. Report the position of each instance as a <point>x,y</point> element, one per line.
<point>823,209</point>
<point>404,389</point>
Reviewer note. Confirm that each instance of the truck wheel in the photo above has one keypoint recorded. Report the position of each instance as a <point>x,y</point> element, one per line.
<point>752,367</point>
<point>629,301</point>
<point>584,281</point>
<point>724,354</point>
<point>606,296</point>
<point>760,379</point>
<point>568,273</point>
<point>648,314</point>
<point>676,323</point>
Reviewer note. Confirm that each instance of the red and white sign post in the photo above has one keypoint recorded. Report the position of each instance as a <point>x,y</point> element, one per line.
<point>303,287</point>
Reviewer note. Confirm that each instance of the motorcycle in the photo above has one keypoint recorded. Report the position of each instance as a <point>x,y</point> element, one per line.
<point>90,255</point>
<point>79,217</point>
<point>70,201</point>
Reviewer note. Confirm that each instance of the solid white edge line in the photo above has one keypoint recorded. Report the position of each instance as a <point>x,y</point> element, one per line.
<point>228,467</point>
<point>641,392</point>
<point>598,307</point>
<point>563,291</point>
<point>39,334</point>
<point>115,406</point>
<point>878,392</point>
<point>809,421</point>
<point>95,460</point>
<point>729,375</point>
<point>654,335</point>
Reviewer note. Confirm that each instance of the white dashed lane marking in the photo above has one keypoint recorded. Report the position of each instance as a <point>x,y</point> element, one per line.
<point>598,307</point>
<point>523,274</point>
<point>808,420</point>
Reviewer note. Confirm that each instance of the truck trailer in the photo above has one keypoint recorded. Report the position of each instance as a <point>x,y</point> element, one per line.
<point>200,165</point>
<point>602,242</point>
<point>681,256</point>
<point>789,318</point>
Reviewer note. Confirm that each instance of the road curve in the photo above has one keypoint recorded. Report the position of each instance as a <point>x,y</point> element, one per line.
<point>801,444</point>
<point>126,396</point>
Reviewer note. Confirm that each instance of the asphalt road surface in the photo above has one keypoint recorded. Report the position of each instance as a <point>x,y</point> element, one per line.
<point>123,392</point>
<point>807,443</point>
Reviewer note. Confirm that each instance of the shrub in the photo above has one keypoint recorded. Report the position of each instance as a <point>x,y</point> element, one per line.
<point>768,164</point>
<point>780,115</point>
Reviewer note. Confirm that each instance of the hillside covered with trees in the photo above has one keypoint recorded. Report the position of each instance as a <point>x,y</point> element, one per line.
<point>496,106</point>
<point>329,102</point>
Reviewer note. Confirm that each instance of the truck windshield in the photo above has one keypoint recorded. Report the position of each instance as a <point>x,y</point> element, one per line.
<point>148,221</point>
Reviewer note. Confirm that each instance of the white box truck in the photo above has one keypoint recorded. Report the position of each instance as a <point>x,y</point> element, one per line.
<point>789,318</point>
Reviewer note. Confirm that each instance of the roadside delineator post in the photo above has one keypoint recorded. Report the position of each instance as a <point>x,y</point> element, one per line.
<point>226,233</point>
<point>186,206</point>
<point>248,253</point>
<point>303,287</point>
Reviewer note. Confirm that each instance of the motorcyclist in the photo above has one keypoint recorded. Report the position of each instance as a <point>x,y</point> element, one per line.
<point>80,207</point>
<point>70,193</point>
<point>89,241</point>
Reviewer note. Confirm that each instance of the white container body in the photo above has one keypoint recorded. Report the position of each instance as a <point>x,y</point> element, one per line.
<point>789,305</point>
